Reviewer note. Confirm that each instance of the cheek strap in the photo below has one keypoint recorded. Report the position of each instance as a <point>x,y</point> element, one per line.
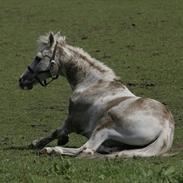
<point>54,69</point>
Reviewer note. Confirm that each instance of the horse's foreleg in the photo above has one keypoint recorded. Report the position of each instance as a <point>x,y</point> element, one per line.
<point>101,133</point>
<point>63,137</point>
<point>60,133</point>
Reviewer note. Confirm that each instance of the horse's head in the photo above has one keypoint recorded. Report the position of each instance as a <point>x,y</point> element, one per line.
<point>44,66</point>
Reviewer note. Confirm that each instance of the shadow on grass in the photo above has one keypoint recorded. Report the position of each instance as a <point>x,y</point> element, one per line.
<point>25,147</point>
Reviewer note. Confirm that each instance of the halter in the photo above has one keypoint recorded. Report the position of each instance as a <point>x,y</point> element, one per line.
<point>44,83</point>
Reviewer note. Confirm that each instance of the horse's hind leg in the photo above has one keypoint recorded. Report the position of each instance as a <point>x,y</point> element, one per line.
<point>61,151</point>
<point>158,147</point>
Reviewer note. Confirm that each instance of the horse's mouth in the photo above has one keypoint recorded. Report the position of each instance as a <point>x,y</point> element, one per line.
<point>26,86</point>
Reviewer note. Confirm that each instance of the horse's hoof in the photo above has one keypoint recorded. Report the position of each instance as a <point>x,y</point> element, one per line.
<point>35,145</point>
<point>88,152</point>
<point>46,150</point>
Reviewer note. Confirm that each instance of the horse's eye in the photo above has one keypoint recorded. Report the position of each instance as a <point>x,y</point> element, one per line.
<point>38,59</point>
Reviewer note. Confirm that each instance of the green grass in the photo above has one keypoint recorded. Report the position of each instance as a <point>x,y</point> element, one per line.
<point>142,41</point>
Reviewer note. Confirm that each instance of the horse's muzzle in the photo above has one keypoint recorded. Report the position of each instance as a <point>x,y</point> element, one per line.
<point>25,85</point>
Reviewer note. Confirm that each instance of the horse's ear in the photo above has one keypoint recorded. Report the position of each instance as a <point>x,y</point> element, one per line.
<point>58,34</point>
<point>51,39</point>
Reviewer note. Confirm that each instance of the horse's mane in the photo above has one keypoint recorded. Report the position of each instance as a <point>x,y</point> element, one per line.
<point>83,59</point>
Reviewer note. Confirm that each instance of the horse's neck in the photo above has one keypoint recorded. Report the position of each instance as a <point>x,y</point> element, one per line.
<point>81,70</point>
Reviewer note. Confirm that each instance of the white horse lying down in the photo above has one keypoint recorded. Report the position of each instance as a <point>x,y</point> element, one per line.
<point>116,122</point>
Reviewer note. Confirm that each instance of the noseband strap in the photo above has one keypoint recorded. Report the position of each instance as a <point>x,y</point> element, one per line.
<point>44,83</point>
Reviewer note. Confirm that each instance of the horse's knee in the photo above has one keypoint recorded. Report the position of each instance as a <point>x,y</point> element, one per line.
<point>62,140</point>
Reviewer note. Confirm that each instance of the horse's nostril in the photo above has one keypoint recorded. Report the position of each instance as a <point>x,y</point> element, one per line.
<point>21,80</point>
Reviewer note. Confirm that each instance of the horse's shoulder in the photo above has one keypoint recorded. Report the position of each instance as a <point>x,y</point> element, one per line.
<point>78,103</point>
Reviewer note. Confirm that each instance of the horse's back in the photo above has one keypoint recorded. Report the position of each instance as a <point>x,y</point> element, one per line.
<point>142,107</point>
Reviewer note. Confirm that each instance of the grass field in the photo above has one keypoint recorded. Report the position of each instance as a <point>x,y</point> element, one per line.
<point>142,41</point>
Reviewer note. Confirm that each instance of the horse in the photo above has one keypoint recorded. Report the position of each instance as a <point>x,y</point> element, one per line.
<point>116,122</point>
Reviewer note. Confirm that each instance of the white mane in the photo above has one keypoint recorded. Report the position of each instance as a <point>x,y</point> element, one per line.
<point>85,60</point>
